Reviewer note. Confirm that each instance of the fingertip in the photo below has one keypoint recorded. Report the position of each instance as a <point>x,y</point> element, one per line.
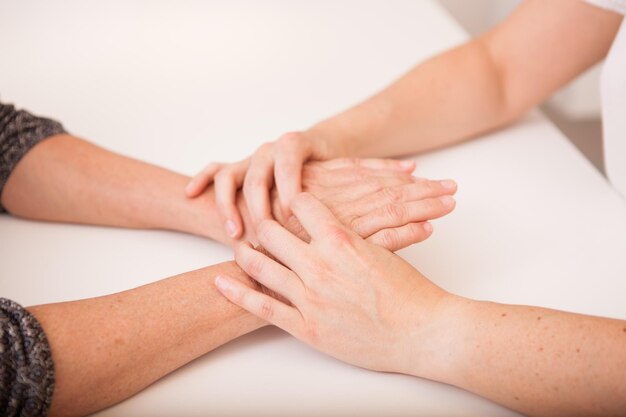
<point>223,284</point>
<point>428,228</point>
<point>448,201</point>
<point>232,229</point>
<point>449,185</point>
<point>191,189</point>
<point>408,165</point>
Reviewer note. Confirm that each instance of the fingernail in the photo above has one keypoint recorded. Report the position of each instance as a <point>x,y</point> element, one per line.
<point>428,228</point>
<point>407,164</point>
<point>189,186</point>
<point>447,201</point>
<point>222,283</point>
<point>231,229</point>
<point>449,184</point>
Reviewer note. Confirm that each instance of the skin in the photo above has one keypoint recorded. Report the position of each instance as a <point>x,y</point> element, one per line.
<point>106,349</point>
<point>460,94</point>
<point>365,305</point>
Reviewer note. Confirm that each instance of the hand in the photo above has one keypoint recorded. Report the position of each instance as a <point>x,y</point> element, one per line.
<point>388,208</point>
<point>342,295</point>
<point>277,164</point>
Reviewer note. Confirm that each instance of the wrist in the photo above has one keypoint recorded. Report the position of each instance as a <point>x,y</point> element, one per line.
<point>203,219</point>
<point>436,342</point>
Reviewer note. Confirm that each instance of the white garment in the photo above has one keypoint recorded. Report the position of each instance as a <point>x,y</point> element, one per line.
<point>613,90</point>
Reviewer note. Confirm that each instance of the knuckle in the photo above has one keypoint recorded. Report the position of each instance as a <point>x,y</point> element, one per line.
<point>223,175</point>
<point>393,194</point>
<point>389,239</point>
<point>254,182</point>
<point>422,182</point>
<point>339,237</point>
<point>416,229</point>
<point>288,166</point>
<point>254,267</point>
<point>415,233</point>
<point>212,166</point>
<point>265,148</point>
<point>430,187</point>
<point>449,204</point>
<point>290,139</point>
<point>431,204</point>
<point>395,211</point>
<point>266,310</point>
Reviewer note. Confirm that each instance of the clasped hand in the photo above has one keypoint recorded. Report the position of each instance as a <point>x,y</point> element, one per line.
<point>338,293</point>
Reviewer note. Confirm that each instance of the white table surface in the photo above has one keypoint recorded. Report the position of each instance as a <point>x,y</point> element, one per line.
<point>183,83</point>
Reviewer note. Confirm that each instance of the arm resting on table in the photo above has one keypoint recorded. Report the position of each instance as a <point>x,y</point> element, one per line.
<point>67,179</point>
<point>539,361</point>
<point>106,349</point>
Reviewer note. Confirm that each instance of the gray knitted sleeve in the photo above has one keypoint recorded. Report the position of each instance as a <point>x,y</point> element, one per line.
<point>26,368</point>
<point>19,132</point>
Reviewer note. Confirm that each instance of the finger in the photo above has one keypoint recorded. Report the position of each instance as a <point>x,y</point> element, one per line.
<point>259,180</point>
<point>354,192</point>
<point>419,190</point>
<point>291,152</point>
<point>398,214</point>
<point>281,244</point>
<point>261,305</point>
<point>315,217</point>
<point>371,193</point>
<point>269,273</point>
<point>407,165</point>
<point>201,180</point>
<point>227,182</point>
<point>351,177</point>
<point>401,237</point>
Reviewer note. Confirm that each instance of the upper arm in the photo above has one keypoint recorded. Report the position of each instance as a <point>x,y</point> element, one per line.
<point>544,44</point>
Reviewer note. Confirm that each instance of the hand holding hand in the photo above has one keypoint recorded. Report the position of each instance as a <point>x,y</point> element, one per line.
<point>342,295</point>
<point>275,164</point>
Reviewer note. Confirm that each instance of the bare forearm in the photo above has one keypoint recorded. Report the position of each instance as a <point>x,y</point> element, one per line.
<point>451,97</point>
<point>478,86</point>
<point>538,361</point>
<point>108,348</point>
<point>67,179</point>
